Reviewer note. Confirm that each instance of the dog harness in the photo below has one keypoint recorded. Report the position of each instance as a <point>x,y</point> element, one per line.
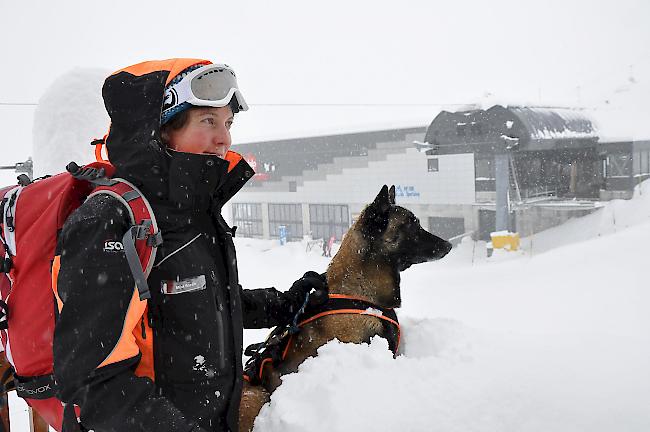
<point>276,346</point>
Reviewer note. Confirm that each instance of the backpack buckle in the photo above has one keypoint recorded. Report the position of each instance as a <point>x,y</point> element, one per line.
<point>5,265</point>
<point>141,232</point>
<point>90,174</point>
<point>155,240</point>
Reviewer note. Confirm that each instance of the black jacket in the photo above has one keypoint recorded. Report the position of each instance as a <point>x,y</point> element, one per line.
<point>198,309</point>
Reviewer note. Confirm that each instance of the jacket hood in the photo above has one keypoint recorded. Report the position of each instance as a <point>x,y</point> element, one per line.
<point>133,98</point>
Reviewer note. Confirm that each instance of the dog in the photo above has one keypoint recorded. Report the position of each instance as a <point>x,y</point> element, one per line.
<point>385,240</point>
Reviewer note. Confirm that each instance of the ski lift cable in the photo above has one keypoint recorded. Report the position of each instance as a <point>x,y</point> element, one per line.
<point>18,104</point>
<point>303,104</point>
<point>357,104</point>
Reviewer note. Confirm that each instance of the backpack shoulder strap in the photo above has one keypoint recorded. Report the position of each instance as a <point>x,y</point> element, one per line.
<point>143,237</point>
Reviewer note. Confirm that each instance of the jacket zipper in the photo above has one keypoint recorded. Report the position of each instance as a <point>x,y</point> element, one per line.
<point>221,341</point>
<point>177,251</point>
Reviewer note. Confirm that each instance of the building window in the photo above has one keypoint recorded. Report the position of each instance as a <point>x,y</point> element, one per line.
<point>485,180</point>
<point>432,165</point>
<point>292,186</point>
<point>289,215</point>
<point>619,165</point>
<point>248,219</point>
<point>327,220</point>
<point>461,129</point>
<point>642,156</point>
<point>484,169</point>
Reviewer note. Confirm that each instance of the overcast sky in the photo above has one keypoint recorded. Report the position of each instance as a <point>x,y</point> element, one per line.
<point>433,53</point>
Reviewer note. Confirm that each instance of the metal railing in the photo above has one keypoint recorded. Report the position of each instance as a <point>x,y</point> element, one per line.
<point>26,167</point>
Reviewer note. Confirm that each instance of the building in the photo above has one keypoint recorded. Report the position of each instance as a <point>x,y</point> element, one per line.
<point>551,163</point>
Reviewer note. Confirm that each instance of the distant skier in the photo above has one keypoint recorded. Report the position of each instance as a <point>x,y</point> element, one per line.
<point>178,366</point>
<point>327,246</point>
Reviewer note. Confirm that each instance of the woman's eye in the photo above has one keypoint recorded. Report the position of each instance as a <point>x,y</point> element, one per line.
<point>208,120</point>
<point>229,124</point>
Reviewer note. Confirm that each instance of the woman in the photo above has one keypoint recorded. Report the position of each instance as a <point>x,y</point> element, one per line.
<point>177,367</point>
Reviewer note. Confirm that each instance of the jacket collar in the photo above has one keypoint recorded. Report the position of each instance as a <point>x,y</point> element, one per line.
<point>194,179</point>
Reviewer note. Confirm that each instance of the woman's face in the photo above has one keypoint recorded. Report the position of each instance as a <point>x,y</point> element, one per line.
<point>206,131</point>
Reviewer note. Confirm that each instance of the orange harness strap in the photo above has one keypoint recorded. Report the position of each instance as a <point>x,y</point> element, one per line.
<point>344,312</point>
<point>339,304</point>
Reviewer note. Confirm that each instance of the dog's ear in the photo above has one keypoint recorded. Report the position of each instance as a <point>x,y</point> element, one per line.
<point>382,201</point>
<point>391,195</point>
<point>376,214</point>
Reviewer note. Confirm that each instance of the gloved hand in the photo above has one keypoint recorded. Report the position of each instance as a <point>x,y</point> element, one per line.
<point>298,291</point>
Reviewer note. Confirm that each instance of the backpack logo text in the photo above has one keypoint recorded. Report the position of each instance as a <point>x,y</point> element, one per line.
<point>31,392</point>
<point>113,246</point>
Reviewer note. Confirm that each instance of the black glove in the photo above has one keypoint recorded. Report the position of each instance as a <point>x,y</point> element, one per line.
<point>298,291</point>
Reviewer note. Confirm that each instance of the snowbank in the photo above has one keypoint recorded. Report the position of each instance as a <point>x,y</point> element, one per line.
<point>554,341</point>
<point>69,115</point>
<point>466,383</point>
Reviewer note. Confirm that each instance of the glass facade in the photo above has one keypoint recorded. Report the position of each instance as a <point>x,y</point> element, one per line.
<point>289,215</point>
<point>327,220</point>
<point>247,217</point>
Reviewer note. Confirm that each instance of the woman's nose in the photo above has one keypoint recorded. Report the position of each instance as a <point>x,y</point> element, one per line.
<point>222,136</point>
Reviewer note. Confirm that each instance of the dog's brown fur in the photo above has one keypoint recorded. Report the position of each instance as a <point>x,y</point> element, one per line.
<point>385,240</point>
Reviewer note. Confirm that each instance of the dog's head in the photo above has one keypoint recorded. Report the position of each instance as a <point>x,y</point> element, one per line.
<point>394,233</point>
<point>385,240</point>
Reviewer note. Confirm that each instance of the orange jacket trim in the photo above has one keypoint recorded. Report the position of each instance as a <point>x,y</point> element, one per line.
<point>126,347</point>
<point>144,338</point>
<point>233,159</point>
<point>56,266</point>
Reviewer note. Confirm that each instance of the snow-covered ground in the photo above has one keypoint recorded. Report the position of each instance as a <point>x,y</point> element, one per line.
<point>556,340</point>
<point>555,337</point>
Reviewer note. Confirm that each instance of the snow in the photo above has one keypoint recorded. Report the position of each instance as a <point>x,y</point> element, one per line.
<point>373,311</point>
<point>553,337</point>
<point>69,115</point>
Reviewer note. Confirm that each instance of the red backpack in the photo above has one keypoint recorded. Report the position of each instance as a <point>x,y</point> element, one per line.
<point>31,218</point>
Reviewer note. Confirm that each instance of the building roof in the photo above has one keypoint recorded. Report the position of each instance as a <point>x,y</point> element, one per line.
<point>273,160</point>
<point>534,128</point>
<point>555,123</point>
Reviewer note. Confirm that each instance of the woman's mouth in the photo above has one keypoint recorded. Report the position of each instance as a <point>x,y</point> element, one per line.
<point>221,156</point>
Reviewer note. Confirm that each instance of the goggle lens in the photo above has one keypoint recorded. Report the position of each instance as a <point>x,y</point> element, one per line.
<point>213,84</point>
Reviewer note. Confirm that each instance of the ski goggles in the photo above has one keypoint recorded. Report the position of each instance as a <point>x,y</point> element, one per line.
<point>212,85</point>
